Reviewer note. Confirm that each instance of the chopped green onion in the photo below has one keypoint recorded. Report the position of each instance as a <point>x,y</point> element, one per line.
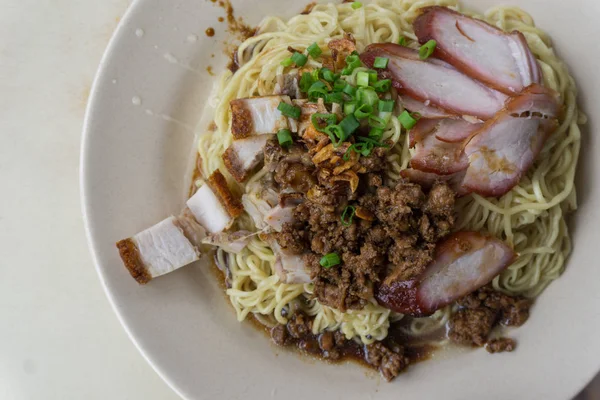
<point>362,79</point>
<point>289,110</point>
<point>367,96</point>
<point>376,134</point>
<point>339,85</point>
<point>335,97</point>
<point>407,120</point>
<point>352,62</point>
<point>314,50</point>
<point>330,260</point>
<point>377,122</point>
<point>348,215</point>
<point>373,142</point>
<point>327,74</point>
<point>356,5</point>
<point>386,105</point>
<point>402,41</point>
<point>335,134</point>
<point>299,59</point>
<point>287,62</point>
<point>284,137</point>
<point>363,111</point>
<point>382,86</point>
<point>329,119</point>
<point>349,89</point>
<point>316,90</point>
<point>349,124</point>
<point>381,62</point>
<point>349,108</point>
<point>306,82</point>
<point>427,49</point>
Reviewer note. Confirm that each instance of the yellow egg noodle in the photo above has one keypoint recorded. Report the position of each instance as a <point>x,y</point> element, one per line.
<point>531,217</point>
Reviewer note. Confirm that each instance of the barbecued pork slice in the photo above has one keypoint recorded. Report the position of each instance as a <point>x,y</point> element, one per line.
<point>156,251</point>
<point>433,155</point>
<point>499,59</point>
<point>507,145</point>
<point>424,110</point>
<point>258,116</point>
<point>244,155</point>
<point>435,82</point>
<point>463,263</point>
<point>213,205</point>
<point>428,179</point>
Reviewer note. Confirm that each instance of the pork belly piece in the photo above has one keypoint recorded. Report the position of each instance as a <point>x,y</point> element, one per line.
<point>232,242</point>
<point>156,251</point>
<point>244,155</point>
<point>258,116</point>
<point>213,205</point>
<point>289,267</point>
<point>507,145</point>
<point>462,264</point>
<point>435,82</point>
<point>502,60</point>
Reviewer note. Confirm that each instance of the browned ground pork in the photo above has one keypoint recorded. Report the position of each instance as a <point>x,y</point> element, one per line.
<point>481,311</point>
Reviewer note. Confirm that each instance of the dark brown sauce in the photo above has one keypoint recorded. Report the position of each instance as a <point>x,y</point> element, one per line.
<point>210,32</point>
<point>221,19</point>
<point>309,7</point>
<point>351,351</point>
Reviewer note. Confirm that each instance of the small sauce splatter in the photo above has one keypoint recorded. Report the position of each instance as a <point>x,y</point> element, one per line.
<point>221,19</point>
<point>309,7</point>
<point>210,71</point>
<point>210,32</point>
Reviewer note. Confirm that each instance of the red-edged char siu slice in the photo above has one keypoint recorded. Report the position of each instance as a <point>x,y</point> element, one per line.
<point>499,59</point>
<point>433,155</point>
<point>244,155</point>
<point>428,179</point>
<point>463,263</point>
<point>425,111</point>
<point>455,130</point>
<point>507,145</point>
<point>435,82</point>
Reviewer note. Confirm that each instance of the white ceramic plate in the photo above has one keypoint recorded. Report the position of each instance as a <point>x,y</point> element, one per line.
<point>134,159</point>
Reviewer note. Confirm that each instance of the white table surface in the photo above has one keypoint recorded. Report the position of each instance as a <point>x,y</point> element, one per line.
<point>59,338</point>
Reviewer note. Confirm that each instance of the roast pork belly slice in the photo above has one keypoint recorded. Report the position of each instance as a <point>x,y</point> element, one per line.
<point>507,145</point>
<point>156,251</point>
<point>435,82</point>
<point>232,242</point>
<point>213,205</point>
<point>462,264</point>
<point>244,155</point>
<point>258,116</point>
<point>289,267</point>
<point>502,60</point>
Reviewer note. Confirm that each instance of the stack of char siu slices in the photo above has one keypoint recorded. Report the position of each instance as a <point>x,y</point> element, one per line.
<point>485,115</point>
